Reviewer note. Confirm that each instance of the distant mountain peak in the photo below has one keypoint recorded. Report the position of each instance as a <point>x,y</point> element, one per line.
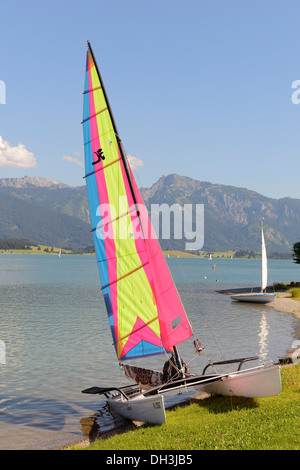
<point>29,181</point>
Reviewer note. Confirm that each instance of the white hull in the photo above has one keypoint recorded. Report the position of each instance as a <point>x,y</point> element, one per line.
<point>140,408</point>
<point>260,298</point>
<point>250,383</point>
<point>130,403</point>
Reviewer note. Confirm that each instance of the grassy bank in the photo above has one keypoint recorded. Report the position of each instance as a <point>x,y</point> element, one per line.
<point>36,249</point>
<point>219,423</point>
<point>201,254</point>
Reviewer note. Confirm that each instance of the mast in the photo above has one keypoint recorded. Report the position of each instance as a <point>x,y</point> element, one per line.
<point>177,358</point>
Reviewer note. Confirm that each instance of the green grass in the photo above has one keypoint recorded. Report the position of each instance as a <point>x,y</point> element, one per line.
<point>200,254</point>
<point>36,249</point>
<point>295,293</point>
<point>219,423</point>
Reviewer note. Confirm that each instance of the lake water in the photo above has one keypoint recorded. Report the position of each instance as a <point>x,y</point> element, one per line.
<point>54,327</point>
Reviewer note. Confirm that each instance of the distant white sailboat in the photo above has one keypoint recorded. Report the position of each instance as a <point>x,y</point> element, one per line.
<point>59,254</point>
<point>261,297</point>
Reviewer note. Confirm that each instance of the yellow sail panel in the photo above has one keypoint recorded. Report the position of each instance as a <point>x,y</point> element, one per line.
<point>122,259</point>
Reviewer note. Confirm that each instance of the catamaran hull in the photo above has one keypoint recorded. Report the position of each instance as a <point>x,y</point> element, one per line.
<point>140,408</point>
<point>256,383</point>
<point>254,297</point>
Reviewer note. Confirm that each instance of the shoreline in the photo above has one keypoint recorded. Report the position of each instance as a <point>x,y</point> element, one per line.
<point>283,302</point>
<point>286,304</point>
<point>217,256</point>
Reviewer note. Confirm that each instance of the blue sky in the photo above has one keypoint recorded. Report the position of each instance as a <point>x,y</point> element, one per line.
<point>199,88</point>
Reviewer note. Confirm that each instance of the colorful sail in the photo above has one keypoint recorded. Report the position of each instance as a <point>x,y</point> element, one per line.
<point>145,313</point>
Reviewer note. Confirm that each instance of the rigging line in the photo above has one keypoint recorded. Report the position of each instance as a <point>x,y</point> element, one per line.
<point>215,340</point>
<point>138,329</point>
<point>125,275</point>
<point>114,220</point>
<point>94,115</point>
<point>102,168</point>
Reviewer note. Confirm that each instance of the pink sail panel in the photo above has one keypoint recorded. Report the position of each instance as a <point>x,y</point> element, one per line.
<point>174,324</point>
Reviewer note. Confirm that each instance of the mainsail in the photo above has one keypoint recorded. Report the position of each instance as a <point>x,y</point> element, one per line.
<point>145,312</point>
<point>264,267</point>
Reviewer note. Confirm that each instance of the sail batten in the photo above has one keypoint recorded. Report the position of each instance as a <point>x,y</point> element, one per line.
<point>114,220</point>
<point>125,275</point>
<point>140,297</point>
<point>93,89</point>
<point>103,168</point>
<point>94,115</point>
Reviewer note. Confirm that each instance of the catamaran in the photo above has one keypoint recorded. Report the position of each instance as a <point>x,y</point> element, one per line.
<point>261,297</point>
<point>145,313</point>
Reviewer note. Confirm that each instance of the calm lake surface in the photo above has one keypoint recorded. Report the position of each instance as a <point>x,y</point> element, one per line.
<point>57,341</point>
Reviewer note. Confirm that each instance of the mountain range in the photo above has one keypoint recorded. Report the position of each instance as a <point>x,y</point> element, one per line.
<point>53,213</point>
<point>44,211</point>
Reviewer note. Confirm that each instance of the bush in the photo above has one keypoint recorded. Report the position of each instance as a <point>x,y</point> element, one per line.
<point>295,292</point>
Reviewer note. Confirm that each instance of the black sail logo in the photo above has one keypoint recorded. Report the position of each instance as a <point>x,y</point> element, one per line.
<point>100,156</point>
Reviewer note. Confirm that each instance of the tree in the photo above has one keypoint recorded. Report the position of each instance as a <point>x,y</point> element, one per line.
<point>296,252</point>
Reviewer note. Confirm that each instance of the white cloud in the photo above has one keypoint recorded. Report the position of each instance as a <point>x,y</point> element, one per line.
<point>73,160</point>
<point>15,157</point>
<point>135,162</point>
